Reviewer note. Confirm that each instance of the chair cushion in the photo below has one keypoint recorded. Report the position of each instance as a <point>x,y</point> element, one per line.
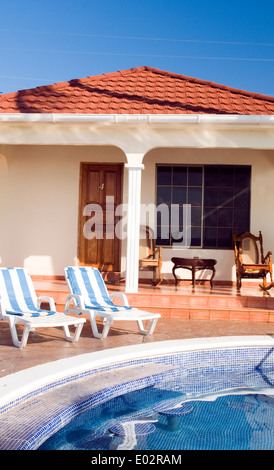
<point>18,294</point>
<point>88,283</point>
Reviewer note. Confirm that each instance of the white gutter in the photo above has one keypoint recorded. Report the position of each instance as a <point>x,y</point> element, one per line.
<point>166,119</point>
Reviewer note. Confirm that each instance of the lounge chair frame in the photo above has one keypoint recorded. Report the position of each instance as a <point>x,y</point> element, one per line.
<point>75,304</point>
<point>31,323</point>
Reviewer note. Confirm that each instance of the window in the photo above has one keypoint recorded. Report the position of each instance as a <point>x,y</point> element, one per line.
<point>220,203</point>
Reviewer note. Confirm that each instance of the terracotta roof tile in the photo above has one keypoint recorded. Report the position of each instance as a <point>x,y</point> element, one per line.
<point>142,90</point>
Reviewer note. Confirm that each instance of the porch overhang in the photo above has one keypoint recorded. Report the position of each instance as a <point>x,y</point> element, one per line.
<point>135,119</point>
<point>139,133</point>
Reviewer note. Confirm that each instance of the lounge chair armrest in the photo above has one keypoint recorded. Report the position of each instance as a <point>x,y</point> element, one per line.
<point>77,301</point>
<point>50,300</point>
<point>122,296</point>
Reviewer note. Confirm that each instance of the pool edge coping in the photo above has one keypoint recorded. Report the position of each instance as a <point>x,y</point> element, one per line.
<point>21,383</point>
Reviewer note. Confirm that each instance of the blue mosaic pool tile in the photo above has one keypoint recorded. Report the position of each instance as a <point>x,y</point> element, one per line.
<point>255,368</point>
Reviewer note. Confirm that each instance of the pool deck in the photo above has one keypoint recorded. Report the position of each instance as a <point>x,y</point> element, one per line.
<point>47,345</point>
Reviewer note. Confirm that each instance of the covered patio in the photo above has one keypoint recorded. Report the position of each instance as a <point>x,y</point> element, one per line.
<point>186,314</point>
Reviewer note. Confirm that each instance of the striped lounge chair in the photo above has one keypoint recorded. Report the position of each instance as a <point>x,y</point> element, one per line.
<point>20,305</point>
<point>89,295</point>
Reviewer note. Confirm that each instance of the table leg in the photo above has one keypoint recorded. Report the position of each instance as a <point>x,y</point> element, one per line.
<point>175,277</point>
<point>213,274</point>
<point>193,277</point>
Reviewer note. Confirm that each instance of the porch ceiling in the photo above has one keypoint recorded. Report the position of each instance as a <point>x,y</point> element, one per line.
<point>139,133</point>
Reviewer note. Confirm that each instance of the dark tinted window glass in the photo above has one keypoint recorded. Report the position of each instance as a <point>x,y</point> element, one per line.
<point>241,219</point>
<point>164,195</point>
<point>226,203</point>
<point>210,217</point>
<point>195,236</point>
<point>226,196</point>
<point>242,197</point>
<point>210,237</point>
<point>227,176</point>
<point>196,214</point>
<point>219,196</point>
<point>164,175</point>
<point>195,176</point>
<point>224,238</point>
<point>242,176</point>
<point>211,196</point>
<point>211,176</point>
<point>179,195</point>
<point>225,217</point>
<point>195,196</point>
<point>180,176</point>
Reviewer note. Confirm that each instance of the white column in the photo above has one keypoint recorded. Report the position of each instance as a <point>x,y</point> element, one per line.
<point>133,226</point>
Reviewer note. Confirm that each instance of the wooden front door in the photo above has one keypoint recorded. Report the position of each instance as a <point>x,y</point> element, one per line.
<point>100,187</point>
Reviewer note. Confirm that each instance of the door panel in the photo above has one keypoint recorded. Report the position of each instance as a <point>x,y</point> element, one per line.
<point>96,184</point>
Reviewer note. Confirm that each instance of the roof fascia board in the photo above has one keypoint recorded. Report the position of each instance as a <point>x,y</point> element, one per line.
<point>133,119</point>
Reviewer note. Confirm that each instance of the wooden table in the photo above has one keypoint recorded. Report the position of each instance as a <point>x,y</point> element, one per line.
<point>194,265</point>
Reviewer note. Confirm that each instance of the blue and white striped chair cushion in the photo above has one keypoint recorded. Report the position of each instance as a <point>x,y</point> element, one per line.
<point>17,293</point>
<point>88,283</point>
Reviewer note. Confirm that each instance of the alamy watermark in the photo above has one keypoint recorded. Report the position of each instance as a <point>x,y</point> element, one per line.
<point>108,221</point>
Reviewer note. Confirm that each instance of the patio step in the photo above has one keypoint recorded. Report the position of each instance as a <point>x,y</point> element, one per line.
<point>206,307</point>
<point>188,306</point>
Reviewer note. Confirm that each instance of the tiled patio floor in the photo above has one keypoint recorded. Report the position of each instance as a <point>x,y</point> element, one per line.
<point>46,345</point>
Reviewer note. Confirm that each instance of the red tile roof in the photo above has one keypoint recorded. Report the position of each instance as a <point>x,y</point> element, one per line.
<point>141,90</point>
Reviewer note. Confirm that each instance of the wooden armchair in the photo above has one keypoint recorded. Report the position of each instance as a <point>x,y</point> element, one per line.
<point>250,261</point>
<point>150,257</point>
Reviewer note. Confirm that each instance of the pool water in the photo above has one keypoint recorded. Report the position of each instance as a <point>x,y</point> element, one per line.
<point>231,413</point>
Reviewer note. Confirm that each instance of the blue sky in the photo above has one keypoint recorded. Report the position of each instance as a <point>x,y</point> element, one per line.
<point>46,41</point>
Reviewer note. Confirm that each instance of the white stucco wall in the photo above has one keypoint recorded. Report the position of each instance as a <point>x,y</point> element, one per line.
<point>39,179</point>
<point>39,195</point>
<point>39,228</point>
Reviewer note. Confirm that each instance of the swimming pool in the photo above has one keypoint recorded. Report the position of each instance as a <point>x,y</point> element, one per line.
<point>201,373</point>
<point>147,420</point>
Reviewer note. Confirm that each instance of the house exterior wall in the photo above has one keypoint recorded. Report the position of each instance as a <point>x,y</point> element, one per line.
<point>262,199</point>
<point>39,197</point>
<point>40,221</point>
